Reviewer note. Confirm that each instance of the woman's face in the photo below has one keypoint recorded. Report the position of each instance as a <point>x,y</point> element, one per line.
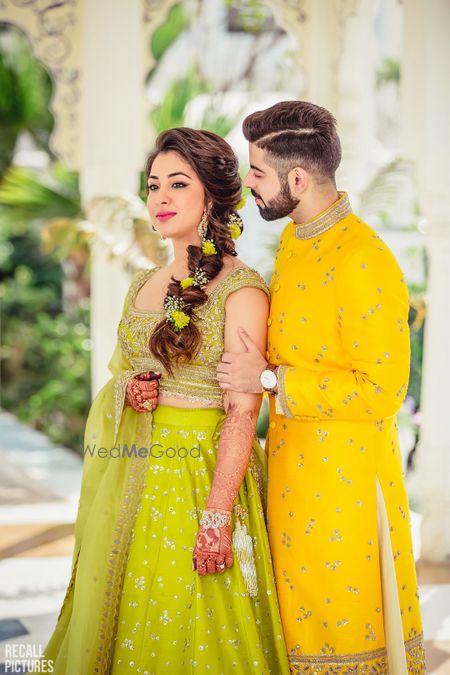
<point>176,197</point>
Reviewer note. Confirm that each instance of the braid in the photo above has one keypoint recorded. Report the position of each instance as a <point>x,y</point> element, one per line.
<point>166,343</point>
<point>217,167</point>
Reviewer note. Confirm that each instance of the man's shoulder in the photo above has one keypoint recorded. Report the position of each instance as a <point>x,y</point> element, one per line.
<point>359,235</point>
<point>360,242</point>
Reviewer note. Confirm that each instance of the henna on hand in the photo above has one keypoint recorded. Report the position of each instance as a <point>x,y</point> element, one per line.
<point>233,456</point>
<point>213,552</point>
<point>141,389</point>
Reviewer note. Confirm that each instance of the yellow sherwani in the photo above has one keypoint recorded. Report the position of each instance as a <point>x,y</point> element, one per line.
<point>337,508</point>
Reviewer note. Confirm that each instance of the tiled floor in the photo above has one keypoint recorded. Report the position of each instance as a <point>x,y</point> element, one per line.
<point>37,510</point>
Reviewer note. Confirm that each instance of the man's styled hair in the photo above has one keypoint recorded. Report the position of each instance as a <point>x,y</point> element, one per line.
<point>296,133</point>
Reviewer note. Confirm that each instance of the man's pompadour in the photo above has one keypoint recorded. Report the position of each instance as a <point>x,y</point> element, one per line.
<point>296,133</point>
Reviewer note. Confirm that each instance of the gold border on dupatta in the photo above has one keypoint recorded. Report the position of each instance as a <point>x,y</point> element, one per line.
<point>122,537</point>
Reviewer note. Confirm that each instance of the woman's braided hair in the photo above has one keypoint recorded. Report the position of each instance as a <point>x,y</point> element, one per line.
<point>216,165</point>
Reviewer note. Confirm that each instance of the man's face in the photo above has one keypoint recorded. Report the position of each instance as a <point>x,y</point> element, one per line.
<point>273,196</point>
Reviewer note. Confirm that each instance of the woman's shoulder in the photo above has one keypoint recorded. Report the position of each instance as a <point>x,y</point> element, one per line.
<point>138,278</point>
<point>240,276</point>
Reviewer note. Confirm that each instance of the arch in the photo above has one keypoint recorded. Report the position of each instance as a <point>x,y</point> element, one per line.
<point>53,32</point>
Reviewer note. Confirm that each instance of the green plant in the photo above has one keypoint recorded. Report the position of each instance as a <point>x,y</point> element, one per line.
<point>171,112</point>
<point>45,358</point>
<point>389,71</point>
<point>178,19</point>
<point>25,92</point>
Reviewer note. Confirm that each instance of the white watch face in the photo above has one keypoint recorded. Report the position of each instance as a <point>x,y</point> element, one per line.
<point>268,379</point>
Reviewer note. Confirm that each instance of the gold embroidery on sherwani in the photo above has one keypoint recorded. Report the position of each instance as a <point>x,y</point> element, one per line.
<point>338,329</point>
<point>371,663</point>
<point>336,212</point>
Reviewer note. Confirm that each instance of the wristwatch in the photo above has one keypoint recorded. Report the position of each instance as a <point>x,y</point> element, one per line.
<point>268,378</point>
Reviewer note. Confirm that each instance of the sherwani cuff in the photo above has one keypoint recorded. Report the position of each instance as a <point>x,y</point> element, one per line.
<point>281,404</point>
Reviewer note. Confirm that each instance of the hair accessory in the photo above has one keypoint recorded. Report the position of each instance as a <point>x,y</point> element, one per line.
<point>174,312</point>
<point>199,279</point>
<point>235,225</point>
<point>185,283</point>
<point>209,247</point>
<point>241,203</point>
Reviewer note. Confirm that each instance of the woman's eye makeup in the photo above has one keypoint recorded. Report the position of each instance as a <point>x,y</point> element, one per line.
<point>153,186</point>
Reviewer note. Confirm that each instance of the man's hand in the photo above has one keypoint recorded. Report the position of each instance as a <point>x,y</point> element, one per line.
<point>240,372</point>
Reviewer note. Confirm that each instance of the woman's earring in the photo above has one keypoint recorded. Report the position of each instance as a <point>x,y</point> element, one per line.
<point>203,225</point>
<point>156,230</point>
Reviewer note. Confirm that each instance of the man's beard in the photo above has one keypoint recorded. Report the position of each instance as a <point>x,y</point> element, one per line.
<point>280,206</point>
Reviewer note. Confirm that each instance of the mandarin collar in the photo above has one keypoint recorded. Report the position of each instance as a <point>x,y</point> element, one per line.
<point>321,223</point>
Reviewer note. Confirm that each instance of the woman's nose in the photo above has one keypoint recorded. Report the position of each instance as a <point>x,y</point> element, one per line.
<point>163,196</point>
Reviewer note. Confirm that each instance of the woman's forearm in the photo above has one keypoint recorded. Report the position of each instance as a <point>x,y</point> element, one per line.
<point>233,455</point>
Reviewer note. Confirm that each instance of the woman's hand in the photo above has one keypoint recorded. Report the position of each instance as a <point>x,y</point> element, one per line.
<point>142,392</point>
<point>213,552</point>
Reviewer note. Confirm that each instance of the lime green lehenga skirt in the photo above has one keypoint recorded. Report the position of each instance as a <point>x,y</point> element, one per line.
<point>134,603</point>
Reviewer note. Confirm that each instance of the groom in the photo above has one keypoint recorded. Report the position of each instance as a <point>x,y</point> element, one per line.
<point>336,371</point>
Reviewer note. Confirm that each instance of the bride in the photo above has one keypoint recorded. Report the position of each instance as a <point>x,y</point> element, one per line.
<point>171,569</point>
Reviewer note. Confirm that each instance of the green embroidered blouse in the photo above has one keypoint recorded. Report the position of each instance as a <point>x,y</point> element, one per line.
<point>196,380</point>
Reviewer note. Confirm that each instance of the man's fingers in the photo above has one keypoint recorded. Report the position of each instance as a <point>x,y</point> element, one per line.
<point>248,342</point>
<point>228,357</point>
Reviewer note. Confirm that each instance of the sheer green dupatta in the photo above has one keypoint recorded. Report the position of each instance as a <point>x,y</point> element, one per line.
<point>111,489</point>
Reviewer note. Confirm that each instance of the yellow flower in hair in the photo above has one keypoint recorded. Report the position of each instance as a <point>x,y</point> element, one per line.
<point>208,247</point>
<point>240,204</point>
<point>235,230</point>
<point>179,319</point>
<point>185,283</point>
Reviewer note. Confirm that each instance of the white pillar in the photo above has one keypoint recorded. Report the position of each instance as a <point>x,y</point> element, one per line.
<point>426,139</point>
<point>356,108</point>
<point>111,146</point>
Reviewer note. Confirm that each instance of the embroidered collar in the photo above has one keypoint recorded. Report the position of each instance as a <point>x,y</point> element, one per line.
<point>333,214</point>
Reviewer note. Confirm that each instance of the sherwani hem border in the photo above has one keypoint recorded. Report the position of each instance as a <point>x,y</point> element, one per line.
<point>365,662</point>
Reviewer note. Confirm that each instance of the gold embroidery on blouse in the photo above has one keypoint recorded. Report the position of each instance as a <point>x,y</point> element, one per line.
<point>335,213</point>
<point>197,380</point>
